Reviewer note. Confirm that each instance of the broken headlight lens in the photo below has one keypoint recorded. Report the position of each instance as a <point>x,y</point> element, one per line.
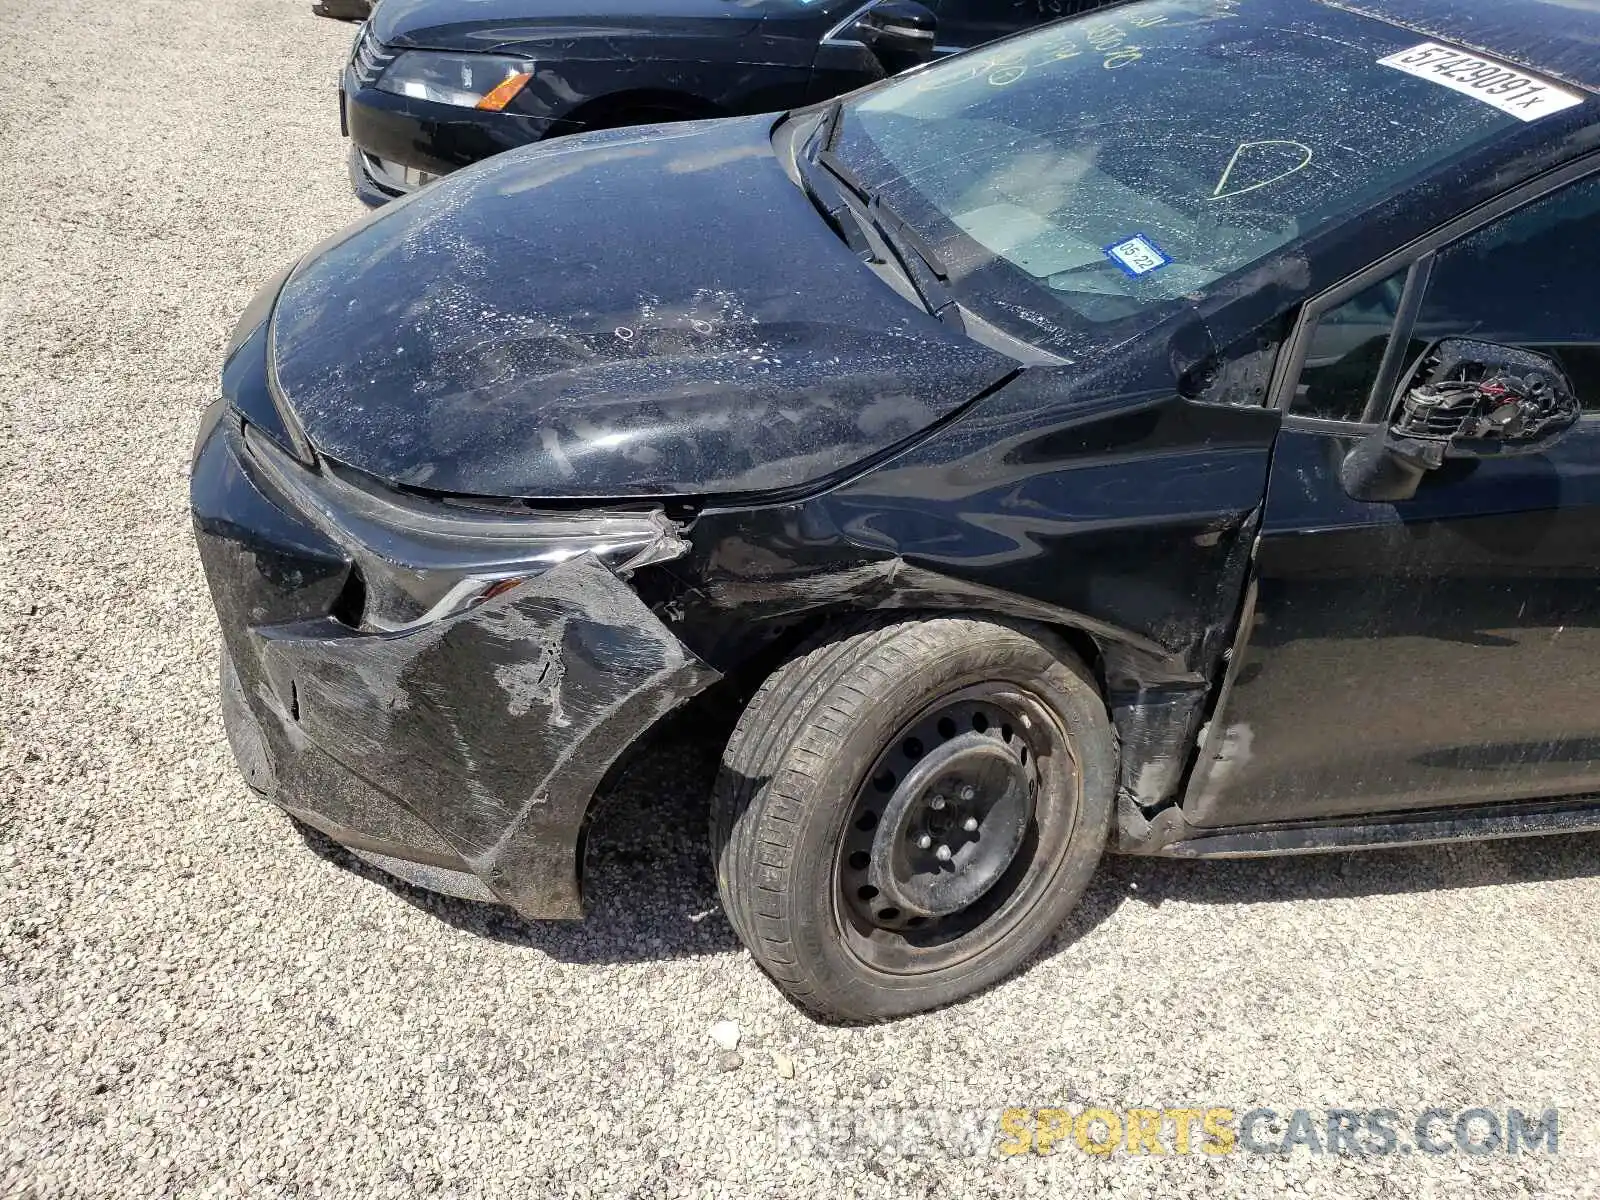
<point>421,560</point>
<point>485,81</point>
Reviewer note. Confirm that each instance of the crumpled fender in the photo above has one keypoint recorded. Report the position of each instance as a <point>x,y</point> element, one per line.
<point>492,728</point>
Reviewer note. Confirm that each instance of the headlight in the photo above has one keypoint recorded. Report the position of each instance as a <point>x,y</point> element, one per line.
<point>421,561</point>
<point>486,81</point>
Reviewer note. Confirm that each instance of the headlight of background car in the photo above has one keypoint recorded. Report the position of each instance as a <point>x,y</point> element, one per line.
<point>483,81</point>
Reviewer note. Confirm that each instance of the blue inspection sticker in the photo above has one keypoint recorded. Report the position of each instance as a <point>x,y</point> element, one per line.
<point>1137,255</point>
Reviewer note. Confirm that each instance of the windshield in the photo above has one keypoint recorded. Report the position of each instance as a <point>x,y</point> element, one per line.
<point>1117,163</point>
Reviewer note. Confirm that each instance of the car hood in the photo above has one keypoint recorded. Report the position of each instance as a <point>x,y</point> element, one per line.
<point>485,24</point>
<point>642,312</point>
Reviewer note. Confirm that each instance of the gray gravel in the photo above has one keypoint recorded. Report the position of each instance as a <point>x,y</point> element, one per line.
<point>194,1001</point>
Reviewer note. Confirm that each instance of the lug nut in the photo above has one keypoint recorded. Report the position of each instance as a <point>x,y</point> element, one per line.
<point>936,803</point>
<point>924,842</point>
<point>969,793</point>
<point>970,824</point>
<point>942,853</point>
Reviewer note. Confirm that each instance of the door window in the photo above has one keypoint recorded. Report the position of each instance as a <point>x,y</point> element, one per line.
<point>1346,351</point>
<point>1530,279</point>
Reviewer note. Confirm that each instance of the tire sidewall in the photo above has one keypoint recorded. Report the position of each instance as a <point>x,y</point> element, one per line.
<point>997,652</point>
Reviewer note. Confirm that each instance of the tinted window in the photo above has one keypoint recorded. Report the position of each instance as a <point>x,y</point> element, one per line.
<point>1119,162</point>
<point>1530,279</point>
<point>1345,353</point>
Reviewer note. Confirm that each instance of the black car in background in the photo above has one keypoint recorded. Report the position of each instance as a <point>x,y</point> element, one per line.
<point>343,10</point>
<point>433,85</point>
<point>1172,431</point>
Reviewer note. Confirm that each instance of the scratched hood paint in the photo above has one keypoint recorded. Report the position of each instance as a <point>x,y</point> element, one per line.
<point>634,313</point>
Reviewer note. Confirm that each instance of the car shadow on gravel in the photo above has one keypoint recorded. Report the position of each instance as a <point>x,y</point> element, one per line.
<point>651,892</point>
<point>1354,874</point>
<point>649,888</point>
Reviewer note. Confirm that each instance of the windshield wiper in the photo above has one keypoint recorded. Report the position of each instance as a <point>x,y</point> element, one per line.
<point>829,199</point>
<point>889,237</point>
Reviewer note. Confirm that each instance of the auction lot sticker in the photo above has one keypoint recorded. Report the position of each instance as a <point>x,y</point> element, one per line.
<point>1510,89</point>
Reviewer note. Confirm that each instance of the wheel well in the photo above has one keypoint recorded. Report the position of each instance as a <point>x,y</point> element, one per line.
<point>784,647</point>
<point>641,107</point>
<point>712,715</point>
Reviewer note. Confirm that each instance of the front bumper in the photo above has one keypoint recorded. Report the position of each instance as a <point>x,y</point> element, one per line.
<point>419,136</point>
<point>377,181</point>
<point>462,755</point>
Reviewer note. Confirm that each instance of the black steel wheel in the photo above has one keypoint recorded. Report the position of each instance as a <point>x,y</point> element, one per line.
<point>945,841</point>
<point>906,812</point>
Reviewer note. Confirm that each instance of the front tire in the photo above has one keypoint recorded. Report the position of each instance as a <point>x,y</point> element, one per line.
<point>904,814</point>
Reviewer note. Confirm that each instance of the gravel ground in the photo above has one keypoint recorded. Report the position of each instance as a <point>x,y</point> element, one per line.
<point>194,1001</point>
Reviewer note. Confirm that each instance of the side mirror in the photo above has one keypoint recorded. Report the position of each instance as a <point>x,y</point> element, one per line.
<point>1465,399</point>
<point>900,33</point>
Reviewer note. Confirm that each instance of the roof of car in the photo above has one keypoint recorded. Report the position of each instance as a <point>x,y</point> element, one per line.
<point>1555,37</point>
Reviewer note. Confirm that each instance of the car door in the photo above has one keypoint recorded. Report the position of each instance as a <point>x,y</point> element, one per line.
<point>1442,650</point>
<point>967,23</point>
<point>843,63</point>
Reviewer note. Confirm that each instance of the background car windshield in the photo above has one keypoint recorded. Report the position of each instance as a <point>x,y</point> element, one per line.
<point>1124,160</point>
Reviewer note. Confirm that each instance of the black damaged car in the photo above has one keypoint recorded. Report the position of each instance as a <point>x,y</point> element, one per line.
<point>433,85</point>
<point>1169,432</point>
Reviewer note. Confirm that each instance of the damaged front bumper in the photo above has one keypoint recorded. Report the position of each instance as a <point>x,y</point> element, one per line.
<point>456,744</point>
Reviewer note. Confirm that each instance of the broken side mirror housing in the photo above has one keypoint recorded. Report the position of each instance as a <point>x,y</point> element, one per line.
<point>900,33</point>
<point>1465,400</point>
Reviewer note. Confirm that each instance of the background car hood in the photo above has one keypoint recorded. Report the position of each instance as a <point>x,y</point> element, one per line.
<point>630,313</point>
<point>485,24</point>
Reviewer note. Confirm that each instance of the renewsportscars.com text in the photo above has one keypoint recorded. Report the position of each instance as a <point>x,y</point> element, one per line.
<point>1209,1130</point>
